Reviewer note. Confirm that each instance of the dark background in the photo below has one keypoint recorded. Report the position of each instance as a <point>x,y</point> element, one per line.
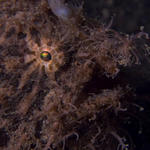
<point>129,15</point>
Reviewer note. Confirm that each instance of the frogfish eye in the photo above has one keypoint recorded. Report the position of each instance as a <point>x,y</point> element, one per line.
<point>46,56</point>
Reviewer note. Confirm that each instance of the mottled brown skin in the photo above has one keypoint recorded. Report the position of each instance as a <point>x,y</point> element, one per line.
<point>56,104</point>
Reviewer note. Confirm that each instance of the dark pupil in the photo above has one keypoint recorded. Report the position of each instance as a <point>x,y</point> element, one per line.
<point>46,56</point>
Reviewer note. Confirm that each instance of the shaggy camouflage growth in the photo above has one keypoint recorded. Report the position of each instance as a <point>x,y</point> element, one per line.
<point>60,86</point>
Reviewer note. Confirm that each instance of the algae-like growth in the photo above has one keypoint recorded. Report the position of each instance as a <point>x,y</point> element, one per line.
<point>64,80</point>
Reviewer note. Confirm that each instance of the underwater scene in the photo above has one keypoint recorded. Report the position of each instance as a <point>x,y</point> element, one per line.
<point>74,75</point>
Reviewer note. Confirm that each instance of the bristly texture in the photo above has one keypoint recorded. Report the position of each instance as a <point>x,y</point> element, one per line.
<point>58,81</point>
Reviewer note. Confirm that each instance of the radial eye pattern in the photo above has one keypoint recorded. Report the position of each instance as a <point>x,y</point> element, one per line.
<point>49,58</point>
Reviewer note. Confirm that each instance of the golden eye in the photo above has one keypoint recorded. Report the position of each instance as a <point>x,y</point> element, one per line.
<point>46,56</point>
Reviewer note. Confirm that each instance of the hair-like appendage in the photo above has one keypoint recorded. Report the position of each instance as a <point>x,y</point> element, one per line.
<point>60,86</point>
<point>60,9</point>
<point>68,12</point>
